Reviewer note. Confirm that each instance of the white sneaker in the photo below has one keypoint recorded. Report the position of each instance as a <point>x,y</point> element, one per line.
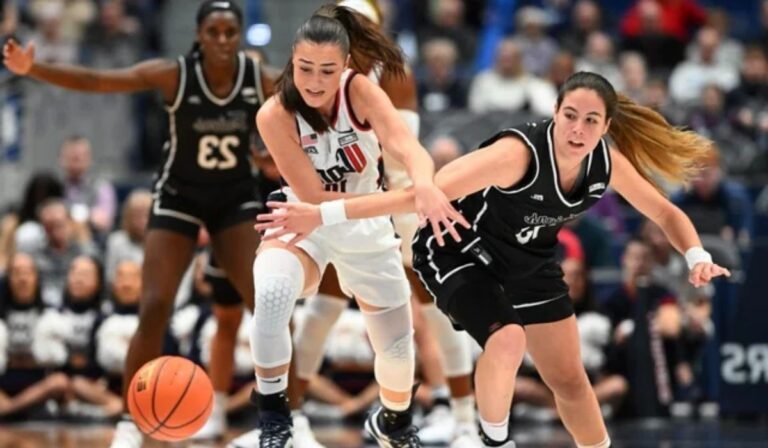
<point>215,427</point>
<point>249,439</point>
<point>303,437</point>
<point>127,435</point>
<point>466,436</point>
<point>438,427</point>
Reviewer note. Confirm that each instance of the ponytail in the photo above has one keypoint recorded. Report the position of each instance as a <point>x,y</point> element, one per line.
<point>357,36</point>
<point>653,146</point>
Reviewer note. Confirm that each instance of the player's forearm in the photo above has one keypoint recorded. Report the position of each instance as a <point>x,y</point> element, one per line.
<point>78,78</point>
<point>420,167</point>
<point>380,204</point>
<point>679,229</point>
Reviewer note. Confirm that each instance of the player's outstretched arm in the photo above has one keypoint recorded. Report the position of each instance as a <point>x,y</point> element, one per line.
<point>675,224</point>
<point>152,74</point>
<point>501,164</point>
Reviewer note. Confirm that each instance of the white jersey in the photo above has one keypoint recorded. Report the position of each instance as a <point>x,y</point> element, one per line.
<point>347,158</point>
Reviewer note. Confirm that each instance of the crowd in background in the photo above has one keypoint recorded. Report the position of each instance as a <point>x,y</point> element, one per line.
<point>71,242</point>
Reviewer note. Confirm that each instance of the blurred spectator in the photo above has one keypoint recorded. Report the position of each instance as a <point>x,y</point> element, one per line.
<point>127,243</point>
<point>596,240</point>
<point>696,329</point>
<point>441,86</point>
<point>656,96</point>
<point>65,340</point>
<point>445,149</point>
<point>669,268</point>
<point>660,49</point>
<point>23,383</point>
<point>563,65</point>
<point>634,75</point>
<point>9,17</point>
<point>537,48</point>
<point>599,58</point>
<point>690,76</point>
<point>730,51</point>
<point>73,15</point>
<point>748,103</point>
<point>52,44</point>
<point>609,213</point>
<point>677,17</point>
<point>708,117</point>
<point>447,21</point>
<point>509,87</point>
<point>91,199</point>
<point>114,40</point>
<point>571,247</point>
<point>586,18</point>
<point>20,226</point>
<point>717,206</point>
<point>645,322</point>
<point>61,247</point>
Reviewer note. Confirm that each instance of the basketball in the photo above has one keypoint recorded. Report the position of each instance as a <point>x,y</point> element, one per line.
<point>170,398</point>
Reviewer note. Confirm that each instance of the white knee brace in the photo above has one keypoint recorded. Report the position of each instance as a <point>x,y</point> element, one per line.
<point>391,334</point>
<point>454,345</point>
<point>321,313</point>
<point>278,279</point>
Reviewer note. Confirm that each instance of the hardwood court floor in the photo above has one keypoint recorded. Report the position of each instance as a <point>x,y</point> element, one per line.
<point>635,434</point>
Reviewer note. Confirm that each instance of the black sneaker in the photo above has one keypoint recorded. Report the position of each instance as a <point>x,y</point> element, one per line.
<point>489,442</point>
<point>275,420</point>
<point>404,437</point>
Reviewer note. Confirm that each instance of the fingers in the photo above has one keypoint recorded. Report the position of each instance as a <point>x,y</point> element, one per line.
<point>264,226</point>
<point>280,205</point>
<point>437,232</point>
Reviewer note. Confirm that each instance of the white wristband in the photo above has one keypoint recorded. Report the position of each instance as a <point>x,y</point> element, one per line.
<point>333,212</point>
<point>696,255</point>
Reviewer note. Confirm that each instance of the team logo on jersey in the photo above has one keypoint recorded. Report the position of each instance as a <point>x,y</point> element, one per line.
<point>194,99</point>
<point>537,197</point>
<point>350,159</point>
<point>597,186</point>
<point>310,150</point>
<point>347,139</point>
<point>250,95</point>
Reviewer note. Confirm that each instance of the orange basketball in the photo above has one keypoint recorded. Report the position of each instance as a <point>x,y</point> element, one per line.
<point>170,398</point>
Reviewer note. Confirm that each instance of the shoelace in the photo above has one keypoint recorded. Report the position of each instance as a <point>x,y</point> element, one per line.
<point>274,434</point>
<point>407,438</point>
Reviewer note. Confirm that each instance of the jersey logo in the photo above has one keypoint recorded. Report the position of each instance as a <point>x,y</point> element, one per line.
<point>348,131</point>
<point>347,139</point>
<point>597,186</point>
<point>350,159</point>
<point>194,99</point>
<point>309,139</point>
<point>250,95</point>
<point>310,150</point>
<point>537,197</point>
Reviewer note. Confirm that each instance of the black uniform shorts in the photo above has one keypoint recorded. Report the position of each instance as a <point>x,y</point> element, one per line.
<point>480,301</point>
<point>184,207</point>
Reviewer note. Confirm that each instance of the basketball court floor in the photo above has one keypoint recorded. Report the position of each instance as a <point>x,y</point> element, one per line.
<point>635,434</point>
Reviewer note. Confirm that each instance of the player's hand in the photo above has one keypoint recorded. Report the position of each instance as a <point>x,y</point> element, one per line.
<point>18,60</point>
<point>703,272</point>
<point>432,205</point>
<point>297,218</point>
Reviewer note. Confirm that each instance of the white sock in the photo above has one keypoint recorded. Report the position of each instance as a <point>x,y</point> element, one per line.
<point>604,444</point>
<point>464,410</point>
<point>394,406</point>
<point>274,385</point>
<point>498,432</point>
<point>441,392</point>
<point>220,402</point>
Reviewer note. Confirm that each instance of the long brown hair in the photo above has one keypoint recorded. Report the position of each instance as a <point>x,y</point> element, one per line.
<point>642,135</point>
<point>356,36</point>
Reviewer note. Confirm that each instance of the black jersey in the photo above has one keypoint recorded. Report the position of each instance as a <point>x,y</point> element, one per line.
<point>515,229</point>
<point>210,137</point>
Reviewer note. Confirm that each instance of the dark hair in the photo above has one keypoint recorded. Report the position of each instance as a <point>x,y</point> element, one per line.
<point>40,187</point>
<point>7,302</point>
<point>207,8</point>
<point>642,135</point>
<point>356,36</point>
<point>95,300</point>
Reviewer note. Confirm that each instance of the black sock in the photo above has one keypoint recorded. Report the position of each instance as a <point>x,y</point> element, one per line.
<point>393,421</point>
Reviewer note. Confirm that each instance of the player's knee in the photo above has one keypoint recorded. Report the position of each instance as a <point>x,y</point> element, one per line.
<point>57,383</point>
<point>506,347</point>
<point>569,384</point>
<point>278,280</point>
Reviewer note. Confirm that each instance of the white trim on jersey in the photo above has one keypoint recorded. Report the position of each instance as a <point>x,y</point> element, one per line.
<point>250,204</point>
<point>535,157</point>
<point>257,80</point>
<point>555,174</point>
<point>606,156</point>
<point>235,89</point>
<point>181,88</point>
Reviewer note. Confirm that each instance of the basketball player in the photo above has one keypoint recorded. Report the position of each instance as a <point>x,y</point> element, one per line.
<point>325,130</point>
<point>211,95</point>
<point>501,282</point>
<point>430,325</point>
